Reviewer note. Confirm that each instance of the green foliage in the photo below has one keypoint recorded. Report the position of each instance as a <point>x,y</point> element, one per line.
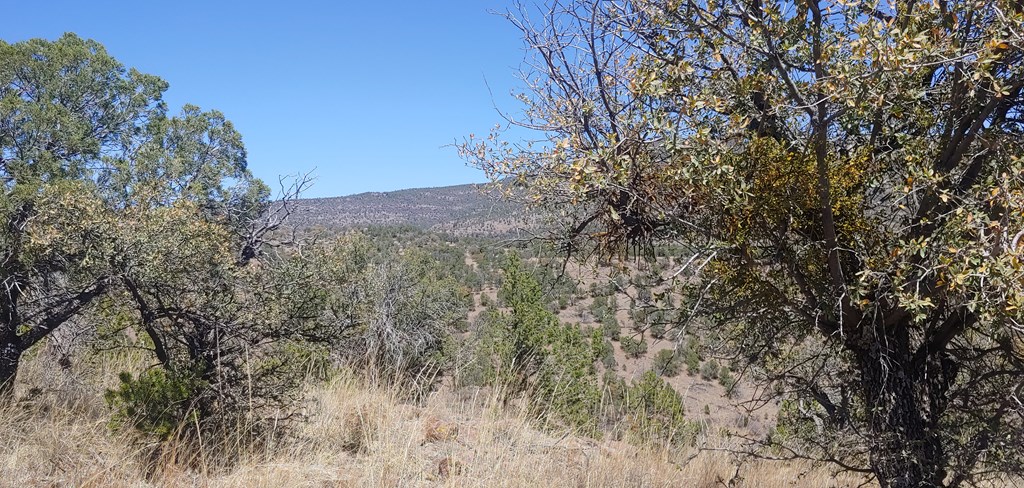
<point>556,288</point>
<point>667,363</point>
<point>388,310</point>
<point>599,307</point>
<point>109,201</point>
<point>640,316</point>
<point>566,383</point>
<point>519,350</point>
<point>159,402</point>
<point>656,412</point>
<point>709,370</point>
<point>602,348</point>
<point>633,347</point>
<point>726,379</point>
<point>657,328</point>
<point>527,351</point>
<point>649,411</point>
<point>610,327</point>
<point>796,420</point>
<point>692,360</point>
<point>67,110</point>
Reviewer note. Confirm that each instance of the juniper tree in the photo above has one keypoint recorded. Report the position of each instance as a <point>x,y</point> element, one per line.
<point>66,108</point>
<point>102,192</point>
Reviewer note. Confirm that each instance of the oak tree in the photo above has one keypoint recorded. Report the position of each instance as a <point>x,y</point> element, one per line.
<point>846,178</point>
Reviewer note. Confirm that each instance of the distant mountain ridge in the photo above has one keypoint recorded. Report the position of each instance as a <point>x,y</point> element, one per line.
<point>472,209</point>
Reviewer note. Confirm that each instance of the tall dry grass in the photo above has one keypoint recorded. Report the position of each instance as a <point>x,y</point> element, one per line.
<point>59,434</point>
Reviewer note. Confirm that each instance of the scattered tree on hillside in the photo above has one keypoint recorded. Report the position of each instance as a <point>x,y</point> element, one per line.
<point>527,351</point>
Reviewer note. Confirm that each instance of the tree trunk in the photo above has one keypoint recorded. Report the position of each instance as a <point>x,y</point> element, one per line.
<point>906,450</point>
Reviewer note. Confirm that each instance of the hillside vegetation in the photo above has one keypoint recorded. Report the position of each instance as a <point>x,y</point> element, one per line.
<point>462,210</point>
<point>761,244</point>
<point>356,434</point>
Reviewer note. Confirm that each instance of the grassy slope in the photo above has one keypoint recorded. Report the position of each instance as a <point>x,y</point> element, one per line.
<point>357,435</point>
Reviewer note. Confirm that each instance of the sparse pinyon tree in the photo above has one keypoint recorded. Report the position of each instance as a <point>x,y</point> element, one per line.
<point>848,178</point>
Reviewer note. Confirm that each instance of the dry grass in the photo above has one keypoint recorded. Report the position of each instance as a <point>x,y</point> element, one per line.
<point>357,435</point>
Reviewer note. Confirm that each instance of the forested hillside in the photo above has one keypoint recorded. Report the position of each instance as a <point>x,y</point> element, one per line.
<point>729,243</point>
<point>457,210</point>
<point>165,320</point>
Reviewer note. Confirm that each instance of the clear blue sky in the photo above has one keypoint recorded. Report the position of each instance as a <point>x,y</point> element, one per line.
<point>366,92</point>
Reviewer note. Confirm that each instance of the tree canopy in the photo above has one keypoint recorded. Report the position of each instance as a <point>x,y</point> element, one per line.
<point>100,188</point>
<point>847,179</point>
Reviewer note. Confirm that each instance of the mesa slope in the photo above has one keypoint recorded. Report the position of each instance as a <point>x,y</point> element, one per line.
<point>471,209</point>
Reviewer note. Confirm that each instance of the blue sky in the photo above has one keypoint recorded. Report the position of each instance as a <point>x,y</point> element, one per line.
<point>367,93</point>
